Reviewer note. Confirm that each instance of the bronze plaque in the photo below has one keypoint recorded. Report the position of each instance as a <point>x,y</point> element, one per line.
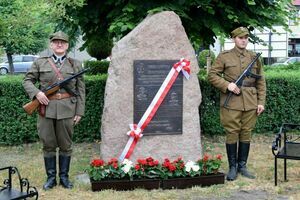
<point>148,77</point>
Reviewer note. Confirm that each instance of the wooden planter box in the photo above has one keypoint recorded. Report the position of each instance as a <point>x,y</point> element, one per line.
<point>150,184</point>
<point>186,182</point>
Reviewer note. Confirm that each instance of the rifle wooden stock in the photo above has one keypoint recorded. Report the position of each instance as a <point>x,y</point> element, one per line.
<point>34,104</point>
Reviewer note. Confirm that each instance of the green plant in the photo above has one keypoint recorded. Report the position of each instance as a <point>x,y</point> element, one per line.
<point>113,169</point>
<point>202,57</point>
<point>151,168</point>
<point>100,47</point>
<point>147,168</point>
<point>209,164</point>
<point>173,169</point>
<point>96,67</point>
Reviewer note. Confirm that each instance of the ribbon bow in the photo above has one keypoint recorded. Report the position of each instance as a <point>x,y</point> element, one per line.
<point>183,65</point>
<point>135,131</point>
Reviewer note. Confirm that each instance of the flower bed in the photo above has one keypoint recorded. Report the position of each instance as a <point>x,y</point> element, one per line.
<point>150,174</point>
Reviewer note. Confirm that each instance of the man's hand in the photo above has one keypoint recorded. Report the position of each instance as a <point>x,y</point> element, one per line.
<point>42,98</point>
<point>76,119</point>
<point>260,109</point>
<point>232,87</point>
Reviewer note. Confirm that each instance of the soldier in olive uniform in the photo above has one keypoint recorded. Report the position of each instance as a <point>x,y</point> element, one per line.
<point>239,117</point>
<point>59,112</point>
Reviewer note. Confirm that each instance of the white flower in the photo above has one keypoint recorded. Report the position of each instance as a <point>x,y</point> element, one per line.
<point>127,165</point>
<point>195,168</point>
<point>190,165</point>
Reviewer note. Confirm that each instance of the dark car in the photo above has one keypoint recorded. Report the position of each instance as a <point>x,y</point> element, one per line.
<point>21,64</point>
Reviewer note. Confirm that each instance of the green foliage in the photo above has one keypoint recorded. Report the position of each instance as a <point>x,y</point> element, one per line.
<point>96,18</point>
<point>16,127</point>
<point>24,32</point>
<point>282,105</point>
<point>96,67</point>
<point>202,57</point>
<point>88,129</point>
<point>100,47</point>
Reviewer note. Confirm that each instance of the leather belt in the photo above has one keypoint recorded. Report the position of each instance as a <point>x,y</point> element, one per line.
<point>58,96</point>
<point>249,84</point>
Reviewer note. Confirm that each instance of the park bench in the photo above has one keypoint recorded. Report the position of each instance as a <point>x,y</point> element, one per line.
<point>286,146</point>
<point>25,191</point>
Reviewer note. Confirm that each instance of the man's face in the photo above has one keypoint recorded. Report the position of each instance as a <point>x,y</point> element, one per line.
<point>241,42</point>
<point>59,47</point>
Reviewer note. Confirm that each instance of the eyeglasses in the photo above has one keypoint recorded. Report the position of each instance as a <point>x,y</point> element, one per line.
<point>57,42</point>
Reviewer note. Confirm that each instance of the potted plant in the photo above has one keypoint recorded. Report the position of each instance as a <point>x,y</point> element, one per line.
<point>182,175</point>
<point>148,173</point>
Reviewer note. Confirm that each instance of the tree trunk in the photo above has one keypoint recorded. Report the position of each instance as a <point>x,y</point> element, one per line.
<point>10,63</point>
<point>208,63</point>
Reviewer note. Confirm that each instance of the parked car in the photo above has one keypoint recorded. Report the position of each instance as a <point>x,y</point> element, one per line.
<point>21,64</point>
<point>286,61</point>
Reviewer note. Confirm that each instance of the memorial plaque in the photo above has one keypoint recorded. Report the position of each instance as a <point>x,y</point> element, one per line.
<point>148,78</point>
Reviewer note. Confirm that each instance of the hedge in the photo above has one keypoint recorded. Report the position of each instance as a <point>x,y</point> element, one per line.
<point>96,67</point>
<point>16,127</point>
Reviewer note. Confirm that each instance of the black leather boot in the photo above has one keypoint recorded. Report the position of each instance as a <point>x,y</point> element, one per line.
<point>50,166</point>
<point>242,160</point>
<point>232,160</point>
<point>64,166</point>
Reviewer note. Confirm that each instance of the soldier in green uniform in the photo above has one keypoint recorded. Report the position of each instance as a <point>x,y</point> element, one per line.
<point>59,112</point>
<point>239,117</point>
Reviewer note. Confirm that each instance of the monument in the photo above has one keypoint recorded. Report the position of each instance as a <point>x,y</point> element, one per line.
<point>140,62</point>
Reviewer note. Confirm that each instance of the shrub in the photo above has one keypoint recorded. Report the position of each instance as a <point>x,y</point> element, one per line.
<point>202,57</point>
<point>100,47</point>
<point>16,127</point>
<point>96,67</point>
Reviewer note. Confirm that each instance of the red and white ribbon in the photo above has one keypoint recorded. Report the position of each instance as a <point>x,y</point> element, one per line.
<point>136,130</point>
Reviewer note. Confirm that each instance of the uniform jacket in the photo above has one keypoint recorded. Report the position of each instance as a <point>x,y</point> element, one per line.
<point>228,66</point>
<point>42,73</point>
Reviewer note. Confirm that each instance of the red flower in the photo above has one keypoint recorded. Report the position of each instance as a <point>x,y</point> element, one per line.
<point>219,157</point>
<point>205,157</point>
<point>172,168</point>
<point>112,161</point>
<point>97,163</point>
<point>142,161</point>
<point>137,167</point>
<point>115,165</point>
<point>149,159</point>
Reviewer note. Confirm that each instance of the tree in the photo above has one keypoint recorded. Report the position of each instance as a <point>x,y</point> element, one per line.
<point>24,27</point>
<point>203,19</point>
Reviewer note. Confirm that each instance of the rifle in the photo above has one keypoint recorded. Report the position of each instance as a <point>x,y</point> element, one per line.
<point>246,73</point>
<point>34,104</point>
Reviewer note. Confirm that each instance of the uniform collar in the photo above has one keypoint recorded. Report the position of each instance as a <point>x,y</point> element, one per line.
<point>240,52</point>
<point>58,59</point>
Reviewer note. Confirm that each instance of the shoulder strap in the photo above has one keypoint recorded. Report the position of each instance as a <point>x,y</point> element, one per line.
<point>57,72</point>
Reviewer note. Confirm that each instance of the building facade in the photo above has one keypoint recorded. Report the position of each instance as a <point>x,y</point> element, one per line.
<point>277,44</point>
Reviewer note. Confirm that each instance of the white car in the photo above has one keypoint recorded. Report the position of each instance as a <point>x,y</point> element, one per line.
<point>22,64</point>
<point>286,61</point>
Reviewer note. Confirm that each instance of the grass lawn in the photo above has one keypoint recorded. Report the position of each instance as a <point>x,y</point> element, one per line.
<point>28,159</point>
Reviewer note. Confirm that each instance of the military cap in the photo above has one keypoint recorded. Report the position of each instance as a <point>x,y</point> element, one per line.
<point>240,32</point>
<point>59,36</point>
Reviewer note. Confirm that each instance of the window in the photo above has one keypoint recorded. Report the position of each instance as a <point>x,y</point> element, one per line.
<point>17,59</point>
<point>28,59</point>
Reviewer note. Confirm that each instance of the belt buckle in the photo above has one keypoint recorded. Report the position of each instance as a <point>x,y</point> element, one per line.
<point>59,96</point>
